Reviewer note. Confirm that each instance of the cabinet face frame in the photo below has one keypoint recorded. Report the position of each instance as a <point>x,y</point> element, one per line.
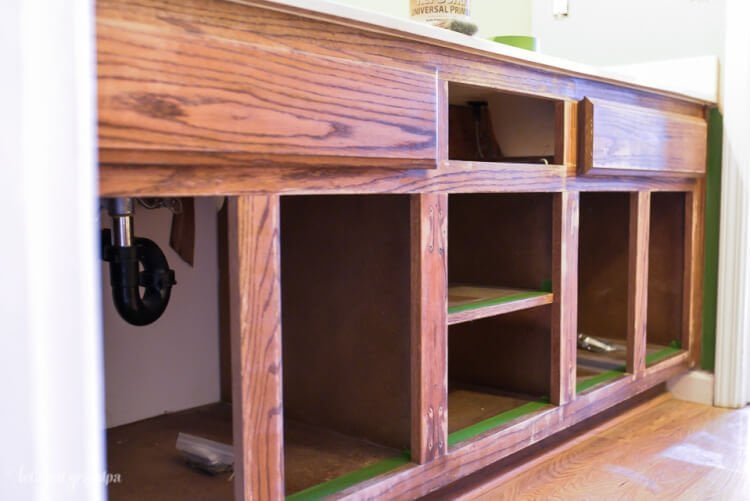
<point>620,139</point>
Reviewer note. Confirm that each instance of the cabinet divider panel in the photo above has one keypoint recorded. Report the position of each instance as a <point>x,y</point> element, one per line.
<point>429,330</point>
<point>256,347</point>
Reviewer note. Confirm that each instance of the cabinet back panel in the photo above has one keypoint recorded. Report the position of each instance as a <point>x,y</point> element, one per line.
<point>500,240</point>
<point>666,268</point>
<point>603,265</point>
<point>346,314</point>
<point>508,352</point>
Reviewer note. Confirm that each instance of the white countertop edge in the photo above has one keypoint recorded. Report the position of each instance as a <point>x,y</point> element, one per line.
<point>409,27</point>
<point>699,74</point>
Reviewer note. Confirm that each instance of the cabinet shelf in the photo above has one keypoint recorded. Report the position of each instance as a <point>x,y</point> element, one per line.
<point>317,462</point>
<point>594,369</point>
<point>477,410</point>
<point>528,168</point>
<point>471,302</point>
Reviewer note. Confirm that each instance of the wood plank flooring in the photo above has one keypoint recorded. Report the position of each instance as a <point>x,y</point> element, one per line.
<point>663,449</point>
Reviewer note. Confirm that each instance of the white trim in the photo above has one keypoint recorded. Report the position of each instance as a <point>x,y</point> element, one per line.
<point>695,386</point>
<point>51,366</point>
<point>733,315</point>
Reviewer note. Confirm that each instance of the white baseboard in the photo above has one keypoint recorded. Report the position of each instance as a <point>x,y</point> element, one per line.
<point>695,386</point>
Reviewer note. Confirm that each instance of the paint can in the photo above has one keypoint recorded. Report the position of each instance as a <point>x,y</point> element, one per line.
<point>451,14</point>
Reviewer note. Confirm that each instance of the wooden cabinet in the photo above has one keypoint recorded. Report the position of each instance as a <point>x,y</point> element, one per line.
<point>623,139</point>
<point>175,97</point>
<point>419,231</point>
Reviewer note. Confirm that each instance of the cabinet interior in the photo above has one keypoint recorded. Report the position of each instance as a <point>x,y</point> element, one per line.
<point>666,275</point>
<point>487,125</point>
<point>345,265</point>
<point>500,242</point>
<point>603,285</point>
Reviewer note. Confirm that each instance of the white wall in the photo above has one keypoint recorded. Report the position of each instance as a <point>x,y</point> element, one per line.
<point>172,364</point>
<point>50,336</point>
<point>494,17</point>
<point>608,32</point>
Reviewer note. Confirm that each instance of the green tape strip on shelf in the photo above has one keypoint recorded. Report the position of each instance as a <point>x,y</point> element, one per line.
<point>495,421</point>
<point>605,377</point>
<point>660,355</point>
<point>495,301</point>
<point>339,484</point>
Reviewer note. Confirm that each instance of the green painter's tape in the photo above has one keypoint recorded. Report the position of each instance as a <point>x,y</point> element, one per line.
<point>604,377</point>
<point>496,301</point>
<point>495,421</point>
<point>711,239</point>
<point>618,372</point>
<point>660,355</point>
<point>339,484</point>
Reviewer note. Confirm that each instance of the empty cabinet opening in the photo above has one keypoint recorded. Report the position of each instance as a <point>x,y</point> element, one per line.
<point>345,265</point>
<point>499,253</point>
<point>498,371</point>
<point>486,125</point>
<point>666,275</point>
<point>163,379</point>
<point>603,249</point>
<point>499,273</point>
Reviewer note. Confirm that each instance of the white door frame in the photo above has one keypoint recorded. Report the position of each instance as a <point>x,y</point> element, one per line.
<point>50,329</point>
<point>732,372</point>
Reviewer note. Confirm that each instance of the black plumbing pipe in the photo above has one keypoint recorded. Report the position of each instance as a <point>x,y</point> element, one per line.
<point>125,263</point>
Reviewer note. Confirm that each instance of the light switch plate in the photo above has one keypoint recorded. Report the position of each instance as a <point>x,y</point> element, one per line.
<point>559,8</point>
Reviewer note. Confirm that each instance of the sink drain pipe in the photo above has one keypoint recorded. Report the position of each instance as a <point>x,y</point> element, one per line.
<point>135,263</point>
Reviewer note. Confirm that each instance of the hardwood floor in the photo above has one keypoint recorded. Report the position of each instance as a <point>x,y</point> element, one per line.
<point>662,449</point>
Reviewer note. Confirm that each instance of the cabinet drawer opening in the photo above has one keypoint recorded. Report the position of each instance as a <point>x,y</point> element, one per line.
<point>666,274</point>
<point>488,125</point>
<point>345,285</point>
<point>603,248</point>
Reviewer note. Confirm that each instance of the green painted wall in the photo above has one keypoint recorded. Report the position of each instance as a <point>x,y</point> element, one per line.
<point>711,249</point>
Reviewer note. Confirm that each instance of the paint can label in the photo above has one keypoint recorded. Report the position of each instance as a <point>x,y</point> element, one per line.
<point>440,12</point>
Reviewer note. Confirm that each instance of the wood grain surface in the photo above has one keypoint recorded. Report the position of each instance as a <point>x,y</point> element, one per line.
<point>493,478</point>
<point>292,30</point>
<point>486,449</point>
<point>603,265</point>
<point>256,347</point>
<point>638,259</point>
<point>618,138</point>
<point>451,177</point>
<point>502,240</point>
<point>666,268</point>
<point>210,97</point>
<point>565,225</point>
<point>509,353</point>
<point>161,97</point>
<point>695,228</point>
<point>429,345</point>
<point>346,297</point>
<point>178,92</point>
<point>671,450</point>
<point>457,296</point>
<point>144,455</point>
<point>566,133</point>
